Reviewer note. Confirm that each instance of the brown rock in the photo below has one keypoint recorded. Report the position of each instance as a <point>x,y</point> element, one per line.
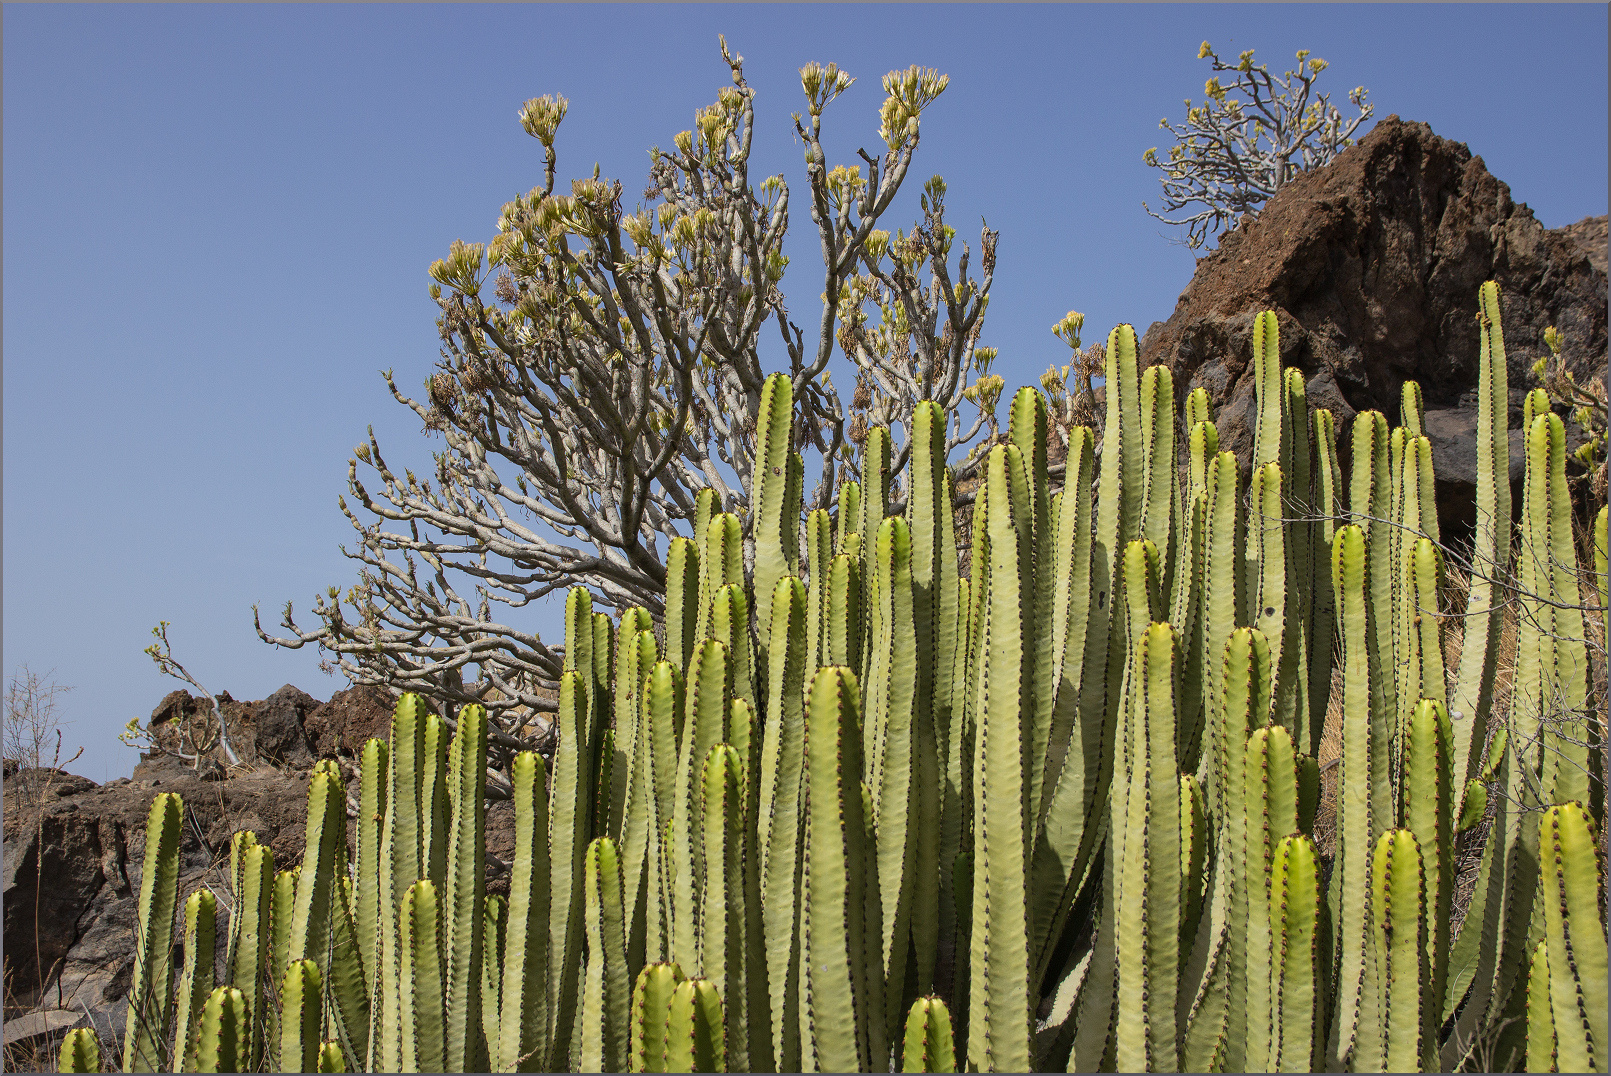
<point>279,735</point>
<point>342,725</point>
<point>1372,265</point>
<point>73,871</point>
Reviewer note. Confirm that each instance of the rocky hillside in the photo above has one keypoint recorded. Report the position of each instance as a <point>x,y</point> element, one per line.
<point>1372,266</point>
<point>73,864</point>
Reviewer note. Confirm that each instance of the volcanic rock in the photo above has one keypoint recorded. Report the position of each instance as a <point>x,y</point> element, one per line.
<point>1372,265</point>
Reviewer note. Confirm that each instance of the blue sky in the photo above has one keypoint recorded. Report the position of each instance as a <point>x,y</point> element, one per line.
<point>217,224</point>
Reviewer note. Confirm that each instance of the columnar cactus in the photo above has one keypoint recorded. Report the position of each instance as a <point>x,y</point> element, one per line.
<point>1059,812</point>
<point>151,993</point>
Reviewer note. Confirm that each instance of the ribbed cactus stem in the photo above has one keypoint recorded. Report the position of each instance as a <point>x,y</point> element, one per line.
<point>651,1009</point>
<point>606,995</point>
<point>1150,888</point>
<point>247,965</point>
<point>301,1017</point>
<point>223,1041</point>
<point>776,517</point>
<point>151,993</point>
<point>777,819</point>
<point>1399,936</point>
<point>331,1058</point>
<point>1541,1043</point>
<point>724,949</point>
<point>1575,934</point>
<point>890,747</point>
<point>324,856</point>
<point>682,600</point>
<point>1271,804</point>
<point>523,1029</point>
<point>998,1006</point>
<point>1268,392</point>
<point>80,1052</point>
<point>841,995</point>
<point>696,1038</point>
<point>704,727</point>
<point>1296,986</point>
<point>421,978</point>
<point>570,803</point>
<point>196,981</point>
<point>928,1045</point>
<point>373,777</point>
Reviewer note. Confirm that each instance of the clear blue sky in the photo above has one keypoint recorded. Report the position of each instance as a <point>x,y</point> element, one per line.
<point>218,222</point>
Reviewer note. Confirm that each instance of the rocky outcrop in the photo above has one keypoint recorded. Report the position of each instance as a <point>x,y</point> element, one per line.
<point>73,862</point>
<point>73,867</point>
<point>1372,265</point>
<point>341,726</point>
<point>271,730</point>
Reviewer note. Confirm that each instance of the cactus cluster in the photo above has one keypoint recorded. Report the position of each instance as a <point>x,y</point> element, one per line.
<point>847,809</point>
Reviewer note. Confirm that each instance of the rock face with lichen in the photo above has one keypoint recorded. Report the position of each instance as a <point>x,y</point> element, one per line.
<point>1372,265</point>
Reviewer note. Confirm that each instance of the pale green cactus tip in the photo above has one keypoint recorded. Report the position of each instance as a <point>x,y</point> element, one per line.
<point>81,1051</point>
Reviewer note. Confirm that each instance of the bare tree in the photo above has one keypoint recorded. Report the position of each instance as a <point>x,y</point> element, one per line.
<point>1231,157</point>
<point>615,370</point>
<point>33,728</point>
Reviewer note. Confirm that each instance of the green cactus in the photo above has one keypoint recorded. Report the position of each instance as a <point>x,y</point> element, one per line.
<point>1396,1042</point>
<point>778,825</point>
<point>1150,887</point>
<point>151,993</point>
<point>606,996</point>
<point>998,1006</point>
<point>1108,731</point>
<point>1270,799</point>
<point>682,601</point>
<point>223,1039</point>
<point>1574,933</point>
<point>841,977</point>
<point>1427,798</point>
<point>570,823</point>
<point>496,917</point>
<point>331,1058</point>
<point>196,980</point>
<point>891,749</point>
<point>651,1009</point>
<point>1541,1052</point>
<point>775,516</point>
<point>1297,960</point>
<point>324,853</point>
<point>301,1017</point>
<point>464,920</point>
<point>704,726</point>
<point>848,520</point>
<point>1473,685</point>
<point>696,1039</point>
<point>248,961</point>
<point>928,1046</point>
<point>81,1051</point>
<point>523,1028</point>
<point>720,929</point>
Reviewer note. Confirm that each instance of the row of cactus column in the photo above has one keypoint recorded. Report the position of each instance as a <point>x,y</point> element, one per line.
<point>852,810</point>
